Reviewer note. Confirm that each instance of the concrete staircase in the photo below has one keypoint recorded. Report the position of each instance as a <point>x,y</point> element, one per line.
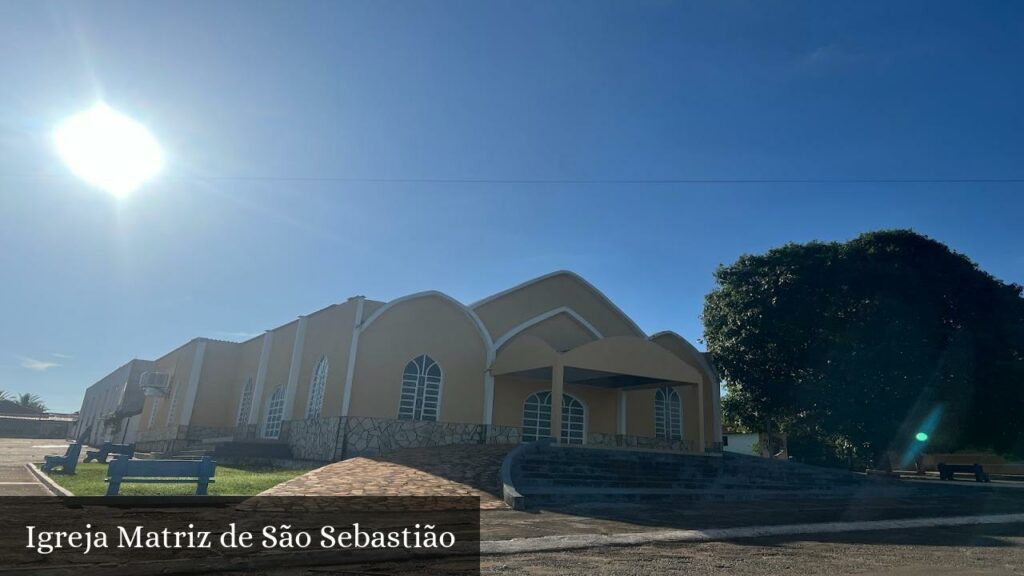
<point>547,474</point>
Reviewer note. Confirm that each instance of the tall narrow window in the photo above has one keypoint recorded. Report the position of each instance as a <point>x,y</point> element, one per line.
<point>152,413</point>
<point>174,404</point>
<point>421,390</point>
<point>316,389</point>
<point>245,403</point>
<point>275,412</point>
<point>537,418</point>
<point>668,414</point>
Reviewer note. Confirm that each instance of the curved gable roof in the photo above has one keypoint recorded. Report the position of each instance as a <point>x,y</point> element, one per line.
<point>485,337</point>
<point>505,310</point>
<point>687,352</point>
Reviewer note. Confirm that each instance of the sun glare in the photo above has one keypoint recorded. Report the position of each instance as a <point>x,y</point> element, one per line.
<point>108,150</point>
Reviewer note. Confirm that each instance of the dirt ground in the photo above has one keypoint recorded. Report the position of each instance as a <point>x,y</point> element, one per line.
<point>983,551</point>
<point>987,550</point>
<point>612,518</point>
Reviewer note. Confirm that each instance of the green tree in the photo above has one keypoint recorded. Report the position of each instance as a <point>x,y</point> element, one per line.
<point>4,395</point>
<point>859,345</point>
<point>31,401</point>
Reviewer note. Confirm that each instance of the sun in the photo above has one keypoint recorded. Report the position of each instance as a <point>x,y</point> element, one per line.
<point>108,150</point>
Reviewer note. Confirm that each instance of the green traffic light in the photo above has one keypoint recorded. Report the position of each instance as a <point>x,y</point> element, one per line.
<point>921,437</point>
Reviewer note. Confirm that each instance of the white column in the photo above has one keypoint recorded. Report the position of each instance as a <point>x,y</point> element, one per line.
<point>193,384</point>
<point>261,378</point>
<point>293,369</point>
<point>716,416</point>
<point>353,349</point>
<point>557,386</point>
<point>700,400</point>
<point>488,397</point>
<point>620,424</point>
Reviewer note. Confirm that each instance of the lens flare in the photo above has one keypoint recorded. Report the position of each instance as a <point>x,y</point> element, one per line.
<point>921,437</point>
<point>108,150</point>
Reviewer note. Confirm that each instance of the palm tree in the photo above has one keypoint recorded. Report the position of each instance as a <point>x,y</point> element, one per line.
<point>31,401</point>
<point>4,395</point>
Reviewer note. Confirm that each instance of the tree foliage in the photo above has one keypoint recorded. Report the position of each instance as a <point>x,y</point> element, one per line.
<point>861,344</point>
<point>31,401</point>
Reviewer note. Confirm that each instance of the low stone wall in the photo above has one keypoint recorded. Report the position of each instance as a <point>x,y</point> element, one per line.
<point>162,440</point>
<point>332,439</point>
<point>642,442</point>
<point>203,432</point>
<point>314,439</point>
<point>23,427</point>
<point>246,432</point>
<point>504,434</point>
<point>163,434</point>
<point>372,436</point>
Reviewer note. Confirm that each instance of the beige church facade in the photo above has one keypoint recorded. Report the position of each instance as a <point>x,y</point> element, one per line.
<point>552,357</point>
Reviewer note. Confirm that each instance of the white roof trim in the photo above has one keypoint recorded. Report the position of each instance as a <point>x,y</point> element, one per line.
<point>488,343</point>
<point>573,275</point>
<point>704,365</point>
<point>542,317</point>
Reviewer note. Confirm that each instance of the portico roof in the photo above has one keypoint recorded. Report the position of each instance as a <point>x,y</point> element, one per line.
<point>615,362</point>
<point>598,378</point>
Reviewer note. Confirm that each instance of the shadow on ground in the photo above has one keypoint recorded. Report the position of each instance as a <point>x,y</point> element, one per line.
<point>610,518</point>
<point>987,536</point>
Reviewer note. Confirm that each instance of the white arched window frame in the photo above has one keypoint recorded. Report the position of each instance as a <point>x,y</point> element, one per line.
<point>275,413</point>
<point>420,398</point>
<point>245,403</point>
<point>537,418</point>
<point>668,414</point>
<point>174,404</point>
<point>152,413</point>
<point>317,385</point>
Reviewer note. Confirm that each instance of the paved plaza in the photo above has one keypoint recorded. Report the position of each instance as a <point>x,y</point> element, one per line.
<point>995,548</point>
<point>465,470</point>
<point>15,479</point>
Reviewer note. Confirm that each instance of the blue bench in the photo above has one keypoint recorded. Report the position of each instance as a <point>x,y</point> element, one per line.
<point>123,469</point>
<point>107,449</point>
<point>947,471</point>
<point>68,462</point>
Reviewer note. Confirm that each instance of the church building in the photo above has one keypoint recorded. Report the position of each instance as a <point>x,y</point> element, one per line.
<point>552,357</point>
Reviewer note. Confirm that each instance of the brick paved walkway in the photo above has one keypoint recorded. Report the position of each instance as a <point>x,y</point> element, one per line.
<point>459,470</point>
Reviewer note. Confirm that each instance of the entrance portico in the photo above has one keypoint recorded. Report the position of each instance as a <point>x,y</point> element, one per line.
<point>604,376</point>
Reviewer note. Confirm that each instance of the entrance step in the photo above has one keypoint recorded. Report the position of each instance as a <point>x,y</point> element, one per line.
<point>254,449</point>
<point>551,475</point>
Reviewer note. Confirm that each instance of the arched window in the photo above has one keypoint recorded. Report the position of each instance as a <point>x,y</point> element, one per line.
<point>537,418</point>
<point>275,412</point>
<point>316,389</point>
<point>668,414</point>
<point>174,404</point>
<point>245,403</point>
<point>421,390</point>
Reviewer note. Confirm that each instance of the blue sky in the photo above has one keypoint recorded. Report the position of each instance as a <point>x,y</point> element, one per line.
<point>271,114</point>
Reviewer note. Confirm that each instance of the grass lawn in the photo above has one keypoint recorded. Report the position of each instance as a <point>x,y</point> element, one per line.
<point>229,481</point>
